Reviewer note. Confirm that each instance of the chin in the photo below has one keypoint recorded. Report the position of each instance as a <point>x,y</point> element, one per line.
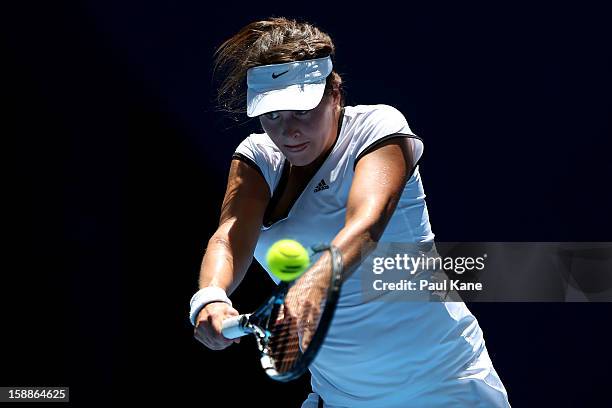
<point>299,162</point>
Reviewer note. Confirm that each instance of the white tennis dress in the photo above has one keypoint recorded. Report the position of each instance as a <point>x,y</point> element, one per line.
<point>377,353</point>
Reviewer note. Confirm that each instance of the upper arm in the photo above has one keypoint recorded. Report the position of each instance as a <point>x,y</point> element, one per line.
<point>378,183</point>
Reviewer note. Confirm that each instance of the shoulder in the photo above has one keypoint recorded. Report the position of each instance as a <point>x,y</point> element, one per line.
<point>259,141</point>
<point>374,121</point>
<point>374,113</point>
<point>370,125</point>
<point>258,151</point>
<point>259,148</point>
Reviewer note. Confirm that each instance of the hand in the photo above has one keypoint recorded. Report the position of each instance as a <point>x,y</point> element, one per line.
<point>304,301</point>
<point>209,323</point>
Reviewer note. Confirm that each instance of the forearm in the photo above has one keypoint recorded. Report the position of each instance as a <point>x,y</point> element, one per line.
<point>354,241</point>
<point>225,261</point>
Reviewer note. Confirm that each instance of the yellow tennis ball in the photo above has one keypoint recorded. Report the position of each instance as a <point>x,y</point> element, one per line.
<point>287,259</point>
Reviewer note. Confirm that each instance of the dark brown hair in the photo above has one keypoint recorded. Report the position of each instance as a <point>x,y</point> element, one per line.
<point>273,41</point>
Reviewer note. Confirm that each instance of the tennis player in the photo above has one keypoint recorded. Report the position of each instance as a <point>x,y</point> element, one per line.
<point>348,175</point>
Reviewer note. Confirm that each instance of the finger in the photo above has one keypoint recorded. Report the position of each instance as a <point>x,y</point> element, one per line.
<point>206,341</point>
<point>306,314</point>
<point>232,312</point>
<point>217,325</point>
<point>205,334</point>
<point>217,343</point>
<point>311,323</point>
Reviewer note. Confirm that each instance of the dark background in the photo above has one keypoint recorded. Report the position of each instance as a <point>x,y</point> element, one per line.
<point>117,166</point>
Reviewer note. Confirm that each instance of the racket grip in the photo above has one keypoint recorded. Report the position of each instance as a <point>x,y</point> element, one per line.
<point>236,326</point>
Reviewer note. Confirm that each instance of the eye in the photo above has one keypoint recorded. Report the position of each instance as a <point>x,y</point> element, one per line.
<point>271,115</point>
<point>302,113</point>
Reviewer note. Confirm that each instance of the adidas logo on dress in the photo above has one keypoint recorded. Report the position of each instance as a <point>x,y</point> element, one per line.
<point>321,186</point>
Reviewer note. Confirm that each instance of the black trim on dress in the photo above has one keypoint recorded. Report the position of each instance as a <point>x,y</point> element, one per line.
<point>383,139</point>
<point>247,160</point>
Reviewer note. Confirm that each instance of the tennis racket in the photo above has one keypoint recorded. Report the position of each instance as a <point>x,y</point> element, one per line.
<point>289,328</point>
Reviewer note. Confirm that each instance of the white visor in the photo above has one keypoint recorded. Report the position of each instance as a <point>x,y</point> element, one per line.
<point>297,85</point>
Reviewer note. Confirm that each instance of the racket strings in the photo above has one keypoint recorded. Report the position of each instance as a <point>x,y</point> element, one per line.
<point>294,325</point>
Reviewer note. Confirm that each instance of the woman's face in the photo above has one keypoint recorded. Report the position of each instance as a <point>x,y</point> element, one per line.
<point>303,136</point>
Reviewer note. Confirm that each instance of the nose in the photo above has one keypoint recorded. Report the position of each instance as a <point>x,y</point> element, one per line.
<point>291,129</point>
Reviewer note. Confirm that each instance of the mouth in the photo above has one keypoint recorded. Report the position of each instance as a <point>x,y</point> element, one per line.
<point>296,148</point>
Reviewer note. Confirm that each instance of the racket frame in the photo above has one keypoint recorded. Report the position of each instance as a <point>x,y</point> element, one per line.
<point>253,323</point>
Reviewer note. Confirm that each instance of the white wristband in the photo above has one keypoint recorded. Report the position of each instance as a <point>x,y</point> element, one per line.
<point>205,296</point>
